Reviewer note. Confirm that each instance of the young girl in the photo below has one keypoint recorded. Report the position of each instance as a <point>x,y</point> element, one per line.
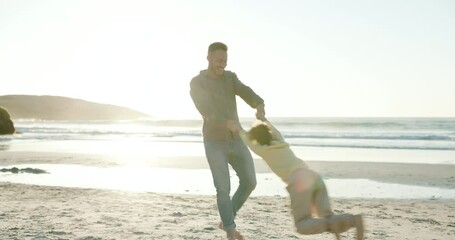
<point>310,204</point>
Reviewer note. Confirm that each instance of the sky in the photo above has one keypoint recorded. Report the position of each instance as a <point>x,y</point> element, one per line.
<point>390,58</point>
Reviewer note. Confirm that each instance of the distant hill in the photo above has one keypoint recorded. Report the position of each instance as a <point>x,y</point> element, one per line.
<point>63,108</point>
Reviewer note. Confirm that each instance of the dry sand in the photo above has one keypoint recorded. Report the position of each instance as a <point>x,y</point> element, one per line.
<point>40,212</point>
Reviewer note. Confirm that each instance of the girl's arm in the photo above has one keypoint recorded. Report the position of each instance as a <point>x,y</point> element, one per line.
<point>275,133</point>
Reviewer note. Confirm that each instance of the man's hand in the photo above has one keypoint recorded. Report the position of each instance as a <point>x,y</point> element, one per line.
<point>233,126</point>
<point>260,112</point>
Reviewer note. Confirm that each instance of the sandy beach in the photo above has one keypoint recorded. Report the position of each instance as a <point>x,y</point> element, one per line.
<point>37,212</point>
<point>44,212</point>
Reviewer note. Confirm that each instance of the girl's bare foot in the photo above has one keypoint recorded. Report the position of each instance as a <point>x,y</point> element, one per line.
<point>234,235</point>
<point>343,222</point>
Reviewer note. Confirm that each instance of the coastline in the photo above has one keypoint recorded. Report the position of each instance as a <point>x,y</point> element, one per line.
<point>428,175</point>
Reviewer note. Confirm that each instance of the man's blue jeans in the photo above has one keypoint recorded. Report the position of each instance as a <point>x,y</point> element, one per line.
<point>219,154</point>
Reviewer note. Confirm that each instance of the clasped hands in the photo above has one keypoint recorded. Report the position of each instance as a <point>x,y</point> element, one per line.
<point>234,126</point>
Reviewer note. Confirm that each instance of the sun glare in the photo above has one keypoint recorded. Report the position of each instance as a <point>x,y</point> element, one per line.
<point>130,152</point>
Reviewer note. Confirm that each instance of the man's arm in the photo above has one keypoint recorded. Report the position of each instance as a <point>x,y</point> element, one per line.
<point>260,112</point>
<point>249,96</point>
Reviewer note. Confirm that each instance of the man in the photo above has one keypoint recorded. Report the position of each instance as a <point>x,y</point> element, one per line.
<point>214,93</point>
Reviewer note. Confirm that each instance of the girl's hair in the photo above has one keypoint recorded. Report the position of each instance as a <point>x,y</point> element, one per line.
<point>260,133</point>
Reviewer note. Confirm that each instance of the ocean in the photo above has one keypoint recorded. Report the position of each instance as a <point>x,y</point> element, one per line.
<point>401,140</point>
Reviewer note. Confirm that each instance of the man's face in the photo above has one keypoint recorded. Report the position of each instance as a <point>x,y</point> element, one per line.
<point>217,62</point>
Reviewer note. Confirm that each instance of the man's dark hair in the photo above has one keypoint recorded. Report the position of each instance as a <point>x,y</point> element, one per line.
<point>261,133</point>
<point>217,46</point>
